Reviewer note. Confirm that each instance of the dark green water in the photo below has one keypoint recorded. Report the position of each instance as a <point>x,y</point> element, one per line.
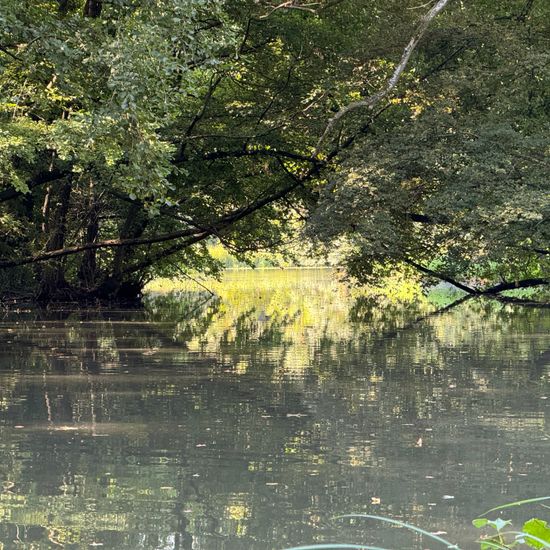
<point>248,422</point>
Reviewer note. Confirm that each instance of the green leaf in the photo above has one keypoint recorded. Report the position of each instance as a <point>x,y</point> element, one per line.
<point>539,529</point>
<point>480,522</point>
<point>499,523</point>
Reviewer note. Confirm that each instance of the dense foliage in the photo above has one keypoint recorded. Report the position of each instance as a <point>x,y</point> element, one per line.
<point>134,132</point>
<point>461,188</point>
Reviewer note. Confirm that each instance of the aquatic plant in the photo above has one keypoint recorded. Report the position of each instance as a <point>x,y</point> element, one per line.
<point>534,533</point>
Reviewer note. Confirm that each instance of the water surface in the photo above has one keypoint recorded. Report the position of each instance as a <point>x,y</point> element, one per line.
<point>248,420</point>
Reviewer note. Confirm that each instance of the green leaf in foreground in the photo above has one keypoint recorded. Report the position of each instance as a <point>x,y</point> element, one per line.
<point>480,522</point>
<point>402,524</point>
<point>539,529</point>
<point>499,524</point>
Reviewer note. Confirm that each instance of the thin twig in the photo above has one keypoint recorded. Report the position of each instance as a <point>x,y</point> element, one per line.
<point>187,276</point>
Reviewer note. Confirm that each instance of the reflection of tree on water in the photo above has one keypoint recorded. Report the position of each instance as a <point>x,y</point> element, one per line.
<point>182,416</point>
<point>192,312</point>
<point>285,412</point>
<point>173,332</point>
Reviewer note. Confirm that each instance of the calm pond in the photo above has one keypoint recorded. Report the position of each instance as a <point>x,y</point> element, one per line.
<point>249,420</point>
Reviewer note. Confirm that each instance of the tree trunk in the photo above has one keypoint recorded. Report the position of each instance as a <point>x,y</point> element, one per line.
<point>87,273</point>
<point>54,226</point>
<point>120,285</point>
<point>92,8</point>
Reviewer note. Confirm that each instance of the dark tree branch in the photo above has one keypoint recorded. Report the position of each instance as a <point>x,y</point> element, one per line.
<point>526,10</point>
<point>524,283</point>
<point>446,61</point>
<point>153,258</point>
<point>275,153</point>
<point>214,83</point>
<point>12,55</point>
<point>522,15</point>
<point>40,179</point>
<point>421,218</point>
<point>48,177</point>
<point>441,276</point>
<point>110,243</point>
<point>491,291</point>
<point>195,235</point>
<point>223,224</point>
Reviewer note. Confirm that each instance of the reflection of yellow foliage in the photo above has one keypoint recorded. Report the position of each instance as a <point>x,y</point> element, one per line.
<point>359,456</point>
<point>237,512</point>
<point>5,514</point>
<point>255,302</point>
<point>356,461</point>
<point>401,288</point>
<point>241,367</point>
<point>13,500</point>
<point>64,535</point>
<point>289,305</point>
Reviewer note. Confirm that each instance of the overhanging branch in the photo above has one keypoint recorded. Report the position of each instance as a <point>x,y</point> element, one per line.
<point>110,243</point>
<point>513,285</point>
<point>371,101</point>
<point>491,291</point>
<point>40,179</point>
<point>441,276</point>
<point>195,234</point>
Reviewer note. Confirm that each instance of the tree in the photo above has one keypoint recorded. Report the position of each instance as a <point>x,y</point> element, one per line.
<point>89,92</point>
<point>134,132</point>
<point>461,191</point>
